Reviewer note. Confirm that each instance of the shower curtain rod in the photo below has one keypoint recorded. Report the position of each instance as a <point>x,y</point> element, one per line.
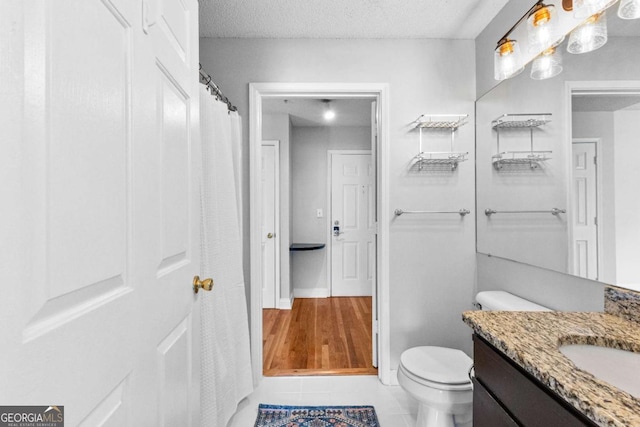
<point>206,80</point>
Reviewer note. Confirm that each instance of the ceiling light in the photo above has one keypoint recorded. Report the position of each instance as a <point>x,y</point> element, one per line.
<point>506,59</point>
<point>586,8</point>
<point>629,9</point>
<point>328,114</point>
<point>542,27</point>
<point>590,35</point>
<point>547,65</point>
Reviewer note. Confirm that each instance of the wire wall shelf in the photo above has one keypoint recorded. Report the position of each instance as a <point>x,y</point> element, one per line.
<point>441,121</point>
<point>521,120</point>
<point>445,158</point>
<point>439,159</point>
<point>532,158</point>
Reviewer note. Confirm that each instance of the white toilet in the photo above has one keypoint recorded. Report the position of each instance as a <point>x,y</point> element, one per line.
<point>438,377</point>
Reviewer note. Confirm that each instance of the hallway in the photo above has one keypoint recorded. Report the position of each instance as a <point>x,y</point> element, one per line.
<point>319,336</point>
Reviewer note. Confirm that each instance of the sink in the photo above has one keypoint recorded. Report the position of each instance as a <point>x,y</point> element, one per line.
<point>619,368</point>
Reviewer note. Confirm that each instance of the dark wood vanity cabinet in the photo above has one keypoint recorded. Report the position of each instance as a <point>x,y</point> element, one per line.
<point>505,395</point>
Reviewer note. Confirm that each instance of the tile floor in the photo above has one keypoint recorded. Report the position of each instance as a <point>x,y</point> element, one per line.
<point>393,406</point>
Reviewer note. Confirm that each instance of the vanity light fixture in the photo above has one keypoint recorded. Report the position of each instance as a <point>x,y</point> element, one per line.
<point>542,27</point>
<point>583,9</point>
<point>590,35</point>
<point>541,24</point>
<point>505,59</point>
<point>548,64</point>
<point>544,36</point>
<point>328,113</point>
<point>629,9</point>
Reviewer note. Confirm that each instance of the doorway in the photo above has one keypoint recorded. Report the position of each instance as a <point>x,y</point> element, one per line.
<point>331,186</point>
<point>603,117</point>
<point>373,92</point>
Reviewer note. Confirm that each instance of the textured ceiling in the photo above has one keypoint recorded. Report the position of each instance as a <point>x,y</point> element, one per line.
<point>449,19</point>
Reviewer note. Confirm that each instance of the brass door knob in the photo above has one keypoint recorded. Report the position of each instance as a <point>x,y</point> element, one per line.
<point>270,236</point>
<point>206,284</point>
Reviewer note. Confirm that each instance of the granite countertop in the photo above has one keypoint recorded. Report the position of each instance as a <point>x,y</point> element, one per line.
<point>532,339</point>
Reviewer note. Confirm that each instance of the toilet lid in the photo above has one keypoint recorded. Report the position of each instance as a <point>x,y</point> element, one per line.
<point>437,364</point>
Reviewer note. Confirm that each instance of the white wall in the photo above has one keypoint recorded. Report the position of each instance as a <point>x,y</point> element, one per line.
<point>309,183</point>
<point>627,137</point>
<point>432,258</point>
<point>278,127</point>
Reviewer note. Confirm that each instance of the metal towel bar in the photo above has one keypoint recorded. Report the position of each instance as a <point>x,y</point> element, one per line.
<point>554,211</point>
<point>461,212</point>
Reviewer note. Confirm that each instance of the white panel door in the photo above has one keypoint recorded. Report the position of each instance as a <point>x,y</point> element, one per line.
<point>585,224</point>
<point>270,218</point>
<point>103,236</point>
<point>353,225</point>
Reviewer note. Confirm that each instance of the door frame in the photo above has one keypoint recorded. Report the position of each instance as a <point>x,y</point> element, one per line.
<point>330,154</point>
<point>376,92</point>
<point>599,206</point>
<point>276,229</point>
<point>593,87</point>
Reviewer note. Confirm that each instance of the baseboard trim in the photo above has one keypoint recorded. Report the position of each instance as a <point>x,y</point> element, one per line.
<point>285,303</point>
<point>311,293</point>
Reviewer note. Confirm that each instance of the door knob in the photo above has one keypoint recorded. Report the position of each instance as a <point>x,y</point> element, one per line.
<point>206,284</point>
<point>270,236</point>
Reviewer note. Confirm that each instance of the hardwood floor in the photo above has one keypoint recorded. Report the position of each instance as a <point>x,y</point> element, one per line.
<point>319,336</point>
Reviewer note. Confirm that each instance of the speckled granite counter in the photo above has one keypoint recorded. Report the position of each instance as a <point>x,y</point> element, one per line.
<point>532,339</point>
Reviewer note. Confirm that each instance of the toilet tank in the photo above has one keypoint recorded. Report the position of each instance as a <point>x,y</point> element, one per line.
<point>504,301</point>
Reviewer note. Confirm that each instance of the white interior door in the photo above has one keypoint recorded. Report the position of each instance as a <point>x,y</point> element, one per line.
<point>353,224</point>
<point>585,212</point>
<point>100,316</point>
<point>270,220</point>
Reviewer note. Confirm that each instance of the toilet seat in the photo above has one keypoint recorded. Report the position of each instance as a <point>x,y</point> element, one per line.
<point>437,367</point>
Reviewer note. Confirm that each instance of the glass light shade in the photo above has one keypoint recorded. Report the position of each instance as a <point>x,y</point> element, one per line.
<point>589,36</point>
<point>629,9</point>
<point>586,8</point>
<point>506,58</point>
<point>542,28</point>
<point>547,65</point>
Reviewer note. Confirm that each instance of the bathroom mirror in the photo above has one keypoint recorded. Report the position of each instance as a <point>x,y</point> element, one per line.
<point>533,204</point>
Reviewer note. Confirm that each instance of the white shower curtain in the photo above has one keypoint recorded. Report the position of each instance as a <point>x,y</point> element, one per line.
<point>226,360</point>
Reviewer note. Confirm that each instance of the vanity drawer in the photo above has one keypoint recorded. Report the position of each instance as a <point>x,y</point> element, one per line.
<point>487,412</point>
<point>528,401</point>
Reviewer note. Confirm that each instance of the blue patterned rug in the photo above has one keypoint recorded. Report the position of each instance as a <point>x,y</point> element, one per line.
<point>316,416</point>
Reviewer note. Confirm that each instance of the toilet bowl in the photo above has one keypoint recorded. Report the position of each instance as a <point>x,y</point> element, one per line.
<point>438,377</point>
